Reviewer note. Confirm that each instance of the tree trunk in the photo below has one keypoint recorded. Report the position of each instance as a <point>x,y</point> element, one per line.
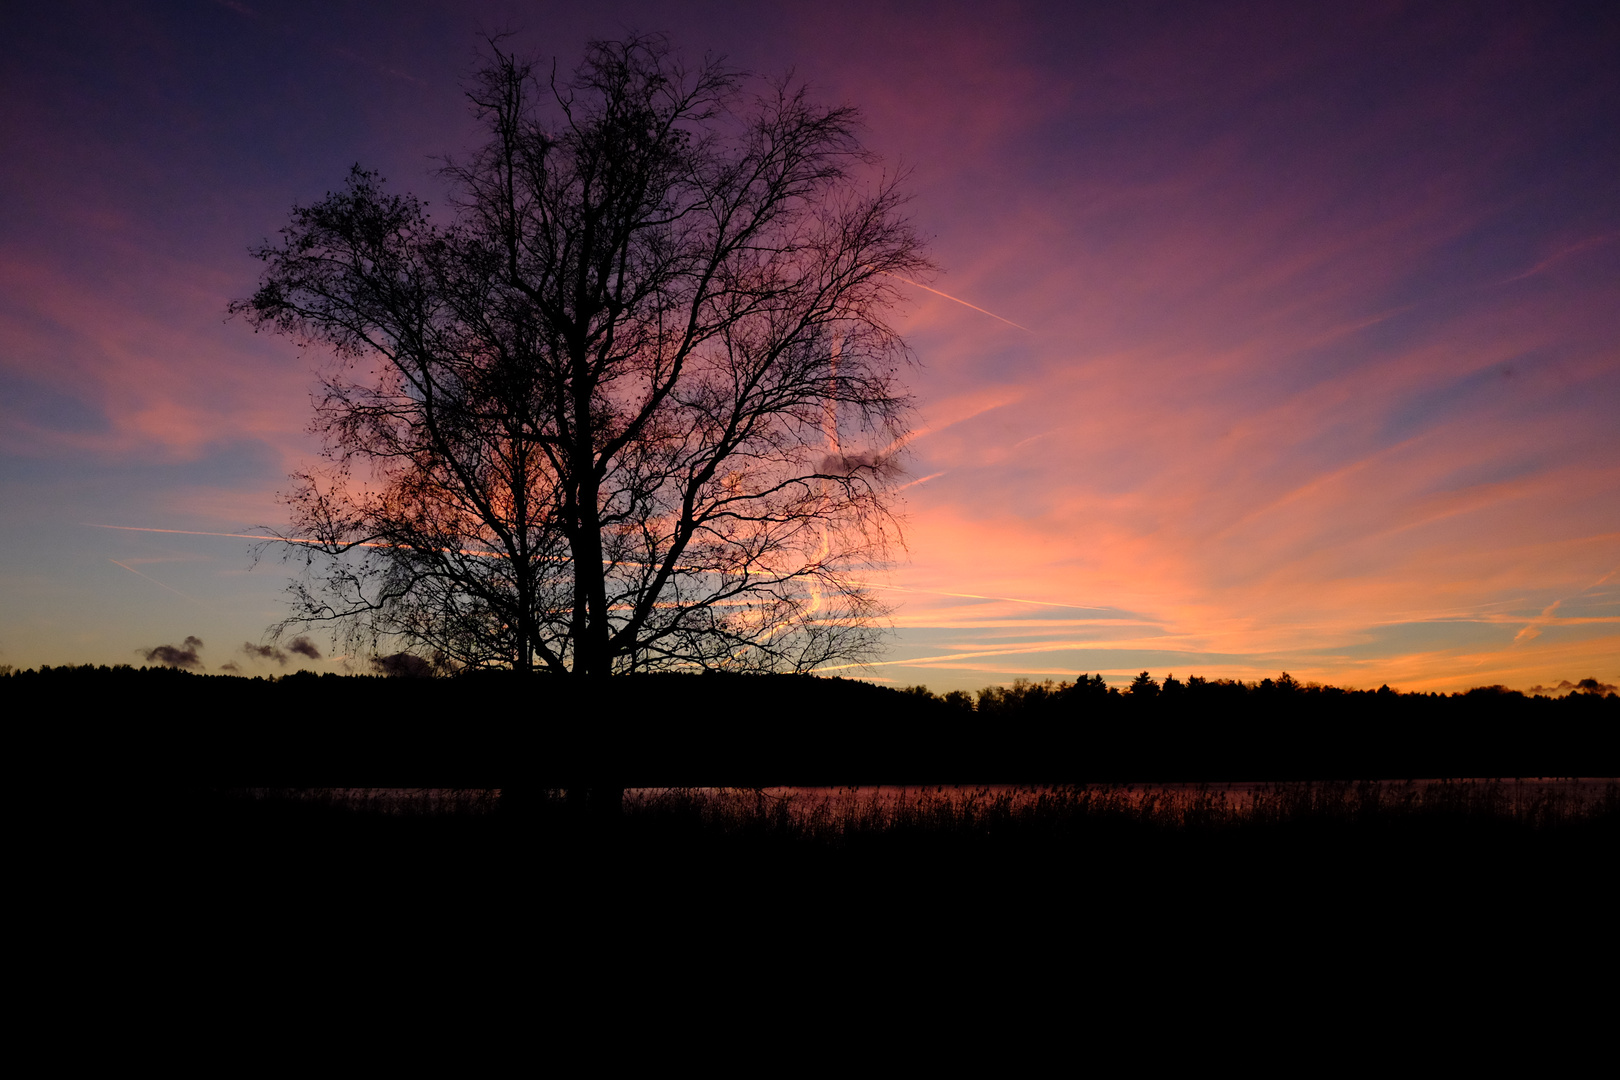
<point>592,645</point>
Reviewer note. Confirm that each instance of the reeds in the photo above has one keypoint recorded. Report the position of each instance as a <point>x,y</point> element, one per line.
<point>392,802</point>
<point>837,817</point>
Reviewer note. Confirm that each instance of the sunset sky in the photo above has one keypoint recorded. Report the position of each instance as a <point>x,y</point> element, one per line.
<point>1321,369</point>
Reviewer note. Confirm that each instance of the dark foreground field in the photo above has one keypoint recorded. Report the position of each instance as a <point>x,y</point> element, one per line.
<point>224,856</point>
<point>1300,873</point>
<point>698,922</point>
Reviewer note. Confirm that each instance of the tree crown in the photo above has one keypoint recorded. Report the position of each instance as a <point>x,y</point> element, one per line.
<point>636,406</point>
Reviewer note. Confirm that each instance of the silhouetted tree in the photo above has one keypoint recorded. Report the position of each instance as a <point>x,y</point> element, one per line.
<point>634,406</point>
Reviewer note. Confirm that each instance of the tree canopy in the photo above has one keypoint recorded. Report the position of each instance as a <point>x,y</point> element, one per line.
<point>635,405</point>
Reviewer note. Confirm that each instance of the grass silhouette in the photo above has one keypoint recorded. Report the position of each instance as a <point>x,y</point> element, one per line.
<point>839,817</point>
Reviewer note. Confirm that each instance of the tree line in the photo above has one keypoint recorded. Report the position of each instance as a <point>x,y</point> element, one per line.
<point>732,729</point>
<point>1025,697</point>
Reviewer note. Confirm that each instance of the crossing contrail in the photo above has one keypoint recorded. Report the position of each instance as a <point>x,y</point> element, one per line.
<point>976,596</point>
<point>155,581</point>
<point>957,299</point>
<point>193,532</point>
<point>498,555</point>
<point>275,539</point>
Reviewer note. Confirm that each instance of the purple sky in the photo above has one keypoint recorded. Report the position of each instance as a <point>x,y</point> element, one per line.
<point>1322,370</point>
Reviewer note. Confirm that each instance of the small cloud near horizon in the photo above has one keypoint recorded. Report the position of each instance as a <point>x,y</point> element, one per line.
<point>1590,686</point>
<point>402,665</point>
<point>177,656</point>
<point>299,645</point>
<point>304,647</point>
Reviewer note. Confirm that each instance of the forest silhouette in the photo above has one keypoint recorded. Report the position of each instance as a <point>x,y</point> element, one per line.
<point>672,729</point>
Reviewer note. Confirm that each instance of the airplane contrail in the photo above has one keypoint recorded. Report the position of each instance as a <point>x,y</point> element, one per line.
<point>1005,650</point>
<point>498,555</point>
<point>974,596</point>
<point>268,539</point>
<point>155,581</point>
<point>193,532</point>
<point>922,480</point>
<point>957,299</point>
